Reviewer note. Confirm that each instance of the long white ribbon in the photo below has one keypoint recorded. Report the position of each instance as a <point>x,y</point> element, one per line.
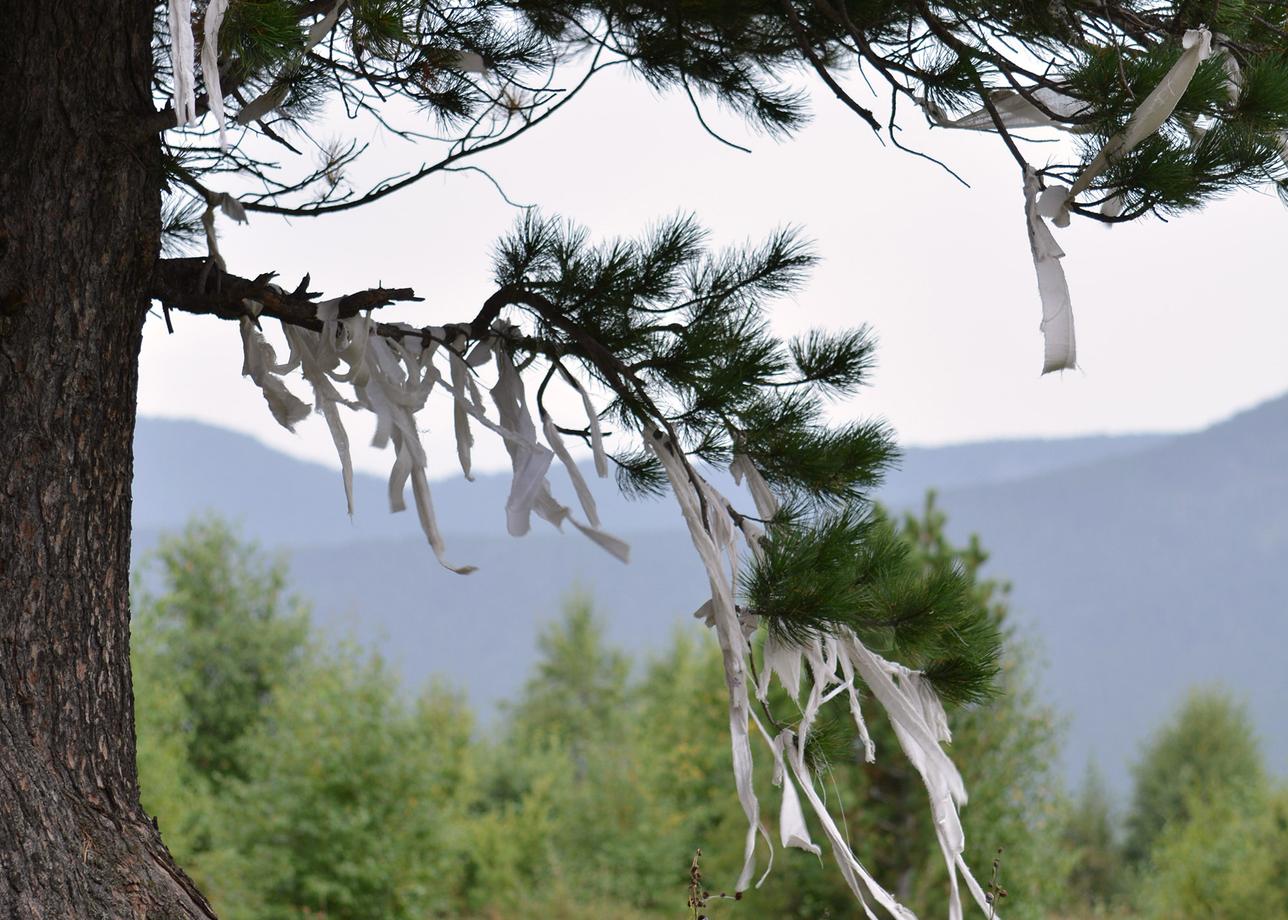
<point>1059,343</point>
<point>182,47</point>
<point>1017,110</point>
<point>1149,116</point>
<point>210,65</point>
<point>1053,289</point>
<point>733,645</point>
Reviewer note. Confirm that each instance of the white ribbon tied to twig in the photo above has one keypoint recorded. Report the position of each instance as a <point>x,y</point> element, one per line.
<point>1053,203</point>
<point>707,541</point>
<point>257,364</point>
<point>275,95</point>
<point>1031,109</point>
<point>1149,116</point>
<point>1053,289</point>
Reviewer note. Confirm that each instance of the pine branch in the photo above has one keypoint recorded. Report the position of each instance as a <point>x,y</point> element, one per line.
<point>195,285</point>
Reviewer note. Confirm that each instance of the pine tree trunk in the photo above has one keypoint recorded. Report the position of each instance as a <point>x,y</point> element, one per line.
<point>79,201</point>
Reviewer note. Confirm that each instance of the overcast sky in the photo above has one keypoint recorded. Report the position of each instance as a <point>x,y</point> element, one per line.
<point>1179,324</point>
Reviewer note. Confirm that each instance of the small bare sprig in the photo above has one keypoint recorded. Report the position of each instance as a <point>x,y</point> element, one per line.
<point>995,892</point>
<point>698,894</point>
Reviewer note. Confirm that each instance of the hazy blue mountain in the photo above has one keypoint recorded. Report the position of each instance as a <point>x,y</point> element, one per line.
<point>1145,574</point>
<point>1141,565</point>
<point>991,462</point>
<point>182,468</point>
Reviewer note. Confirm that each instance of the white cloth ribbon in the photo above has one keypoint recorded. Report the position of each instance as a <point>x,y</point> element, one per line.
<point>182,48</point>
<point>733,645</point>
<point>592,421</point>
<point>257,360</point>
<point>459,375</point>
<point>1017,110</point>
<point>1149,116</point>
<point>1053,289</point>
<point>210,65</point>
<point>920,725</point>
<point>275,95</point>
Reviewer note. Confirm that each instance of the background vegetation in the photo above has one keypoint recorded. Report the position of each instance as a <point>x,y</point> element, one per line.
<point>294,777</point>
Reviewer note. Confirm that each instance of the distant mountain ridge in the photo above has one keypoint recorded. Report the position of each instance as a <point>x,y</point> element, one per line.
<point>185,467</point>
<point>1141,565</point>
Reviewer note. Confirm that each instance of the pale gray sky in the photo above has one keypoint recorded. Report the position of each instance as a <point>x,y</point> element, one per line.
<point>1178,324</point>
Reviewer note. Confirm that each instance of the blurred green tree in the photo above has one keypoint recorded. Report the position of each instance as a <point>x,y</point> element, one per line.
<point>1208,750</point>
<point>1098,875</point>
<point>1227,859</point>
<point>213,634</point>
<point>349,799</point>
<point>222,629</point>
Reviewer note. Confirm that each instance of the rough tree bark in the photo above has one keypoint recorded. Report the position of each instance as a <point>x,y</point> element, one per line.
<point>79,201</point>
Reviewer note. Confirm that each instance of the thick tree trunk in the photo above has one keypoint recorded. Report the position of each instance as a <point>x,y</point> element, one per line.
<point>79,201</point>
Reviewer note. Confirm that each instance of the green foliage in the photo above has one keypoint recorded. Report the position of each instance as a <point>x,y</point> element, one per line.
<point>905,594</point>
<point>1097,876</point>
<point>681,337</point>
<point>343,796</point>
<point>575,674</point>
<point>1005,746</point>
<point>383,58</point>
<point>223,627</point>
<point>588,801</point>
<point>171,789</point>
<point>287,778</point>
<point>1208,750</point>
<point>349,800</point>
<point>1227,860</point>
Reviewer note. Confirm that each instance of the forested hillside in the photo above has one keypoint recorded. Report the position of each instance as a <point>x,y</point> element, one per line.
<point>1183,583</point>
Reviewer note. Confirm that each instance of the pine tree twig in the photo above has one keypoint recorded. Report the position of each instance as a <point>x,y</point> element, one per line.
<point>824,74</point>
<point>688,91</point>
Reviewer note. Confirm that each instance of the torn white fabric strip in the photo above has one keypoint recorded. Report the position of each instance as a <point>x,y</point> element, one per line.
<point>733,645</point>
<point>1017,111</point>
<point>529,460</point>
<point>743,469</point>
<point>976,891</point>
<point>920,741</point>
<point>614,545</point>
<point>275,95</point>
<point>319,29</point>
<point>592,421</point>
<point>212,237</point>
<point>182,50</point>
<point>469,62</point>
<point>261,105</point>
<point>791,821</point>
<point>210,68</point>
<point>480,354</point>
<point>428,523</point>
<point>232,208</point>
<point>792,831</point>
<point>856,876</point>
<point>784,659</point>
<point>584,496</point>
<point>458,372</point>
<point>856,711</point>
<point>1060,349</point>
<point>530,469</point>
<point>257,356</point>
<point>1149,116</point>
<point>307,344</point>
